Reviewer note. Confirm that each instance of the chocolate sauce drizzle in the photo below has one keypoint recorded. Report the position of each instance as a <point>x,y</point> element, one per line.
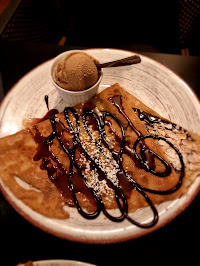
<point>72,181</point>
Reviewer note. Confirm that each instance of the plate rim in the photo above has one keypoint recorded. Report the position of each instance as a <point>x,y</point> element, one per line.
<point>70,237</point>
<point>108,49</point>
<point>155,62</point>
<point>60,261</point>
<point>122,238</point>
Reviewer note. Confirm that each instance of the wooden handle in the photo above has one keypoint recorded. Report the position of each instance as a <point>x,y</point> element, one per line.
<point>134,59</point>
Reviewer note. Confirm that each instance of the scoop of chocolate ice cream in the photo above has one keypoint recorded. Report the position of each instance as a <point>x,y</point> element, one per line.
<point>77,72</point>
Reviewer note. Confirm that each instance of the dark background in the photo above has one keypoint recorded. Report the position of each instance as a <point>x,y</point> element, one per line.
<point>160,26</point>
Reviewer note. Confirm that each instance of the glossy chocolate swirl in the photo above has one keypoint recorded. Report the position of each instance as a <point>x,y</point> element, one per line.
<point>72,181</point>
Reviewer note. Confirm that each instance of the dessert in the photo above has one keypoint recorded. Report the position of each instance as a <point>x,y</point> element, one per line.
<point>76,72</point>
<point>112,152</point>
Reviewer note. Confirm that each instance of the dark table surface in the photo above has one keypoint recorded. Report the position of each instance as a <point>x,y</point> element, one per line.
<point>178,241</point>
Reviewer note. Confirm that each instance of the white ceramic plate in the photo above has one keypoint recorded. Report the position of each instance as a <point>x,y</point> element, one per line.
<point>59,263</point>
<point>154,84</point>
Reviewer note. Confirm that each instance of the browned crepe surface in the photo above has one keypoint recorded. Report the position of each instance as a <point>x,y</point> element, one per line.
<point>31,184</point>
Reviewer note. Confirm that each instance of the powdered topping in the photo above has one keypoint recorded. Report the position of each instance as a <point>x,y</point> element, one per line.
<point>178,136</point>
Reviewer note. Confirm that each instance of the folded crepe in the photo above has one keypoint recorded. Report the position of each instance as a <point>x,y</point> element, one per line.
<point>110,152</point>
